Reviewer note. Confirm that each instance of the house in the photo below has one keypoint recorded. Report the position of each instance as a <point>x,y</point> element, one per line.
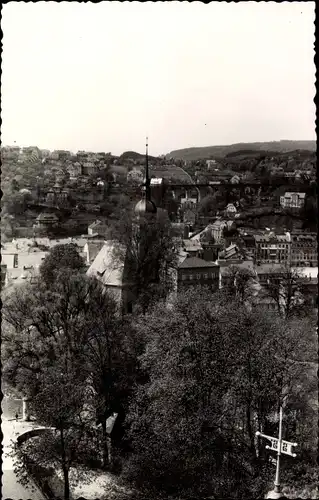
<point>192,247</point>
<point>98,227</point>
<point>235,179</point>
<point>304,249</point>
<point>225,271</point>
<point>231,210</point>
<point>109,267</point>
<point>189,216</point>
<point>10,260</point>
<point>210,164</point>
<point>156,181</point>
<point>89,168</point>
<point>273,248</point>
<point>309,287</point>
<point>195,271</point>
<point>230,253</point>
<point>293,200</point>
<point>23,265</point>
<point>263,301</point>
<point>50,197</point>
<point>265,272</point>
<point>46,221</point>
<point>74,170</point>
<point>217,229</point>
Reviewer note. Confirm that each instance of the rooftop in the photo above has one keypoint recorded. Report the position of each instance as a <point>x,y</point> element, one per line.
<point>106,266</point>
<point>195,262</point>
<point>270,268</point>
<point>272,236</point>
<point>47,217</point>
<point>289,195</point>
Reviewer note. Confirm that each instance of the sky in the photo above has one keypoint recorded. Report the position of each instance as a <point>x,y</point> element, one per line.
<point>101,77</point>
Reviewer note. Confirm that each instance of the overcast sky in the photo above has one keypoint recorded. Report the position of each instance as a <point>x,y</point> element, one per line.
<point>101,77</point>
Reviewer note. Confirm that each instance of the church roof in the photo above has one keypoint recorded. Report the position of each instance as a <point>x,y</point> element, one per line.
<point>145,207</point>
<point>106,266</point>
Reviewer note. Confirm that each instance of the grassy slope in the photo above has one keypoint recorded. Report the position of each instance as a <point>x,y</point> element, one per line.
<point>222,151</point>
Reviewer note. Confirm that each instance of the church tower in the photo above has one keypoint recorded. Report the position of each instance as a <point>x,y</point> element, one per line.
<point>145,206</point>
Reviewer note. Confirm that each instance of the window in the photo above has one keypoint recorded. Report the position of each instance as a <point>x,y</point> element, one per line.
<point>15,260</point>
<point>190,276</point>
<point>183,277</point>
<point>206,276</point>
<point>198,276</point>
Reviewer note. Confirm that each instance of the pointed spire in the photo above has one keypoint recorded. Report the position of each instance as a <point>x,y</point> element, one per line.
<point>146,205</point>
<point>147,177</point>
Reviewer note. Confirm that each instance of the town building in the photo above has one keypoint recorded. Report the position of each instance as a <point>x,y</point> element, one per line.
<point>210,164</point>
<point>273,248</point>
<point>20,264</point>
<point>111,264</point>
<point>293,200</point>
<point>304,249</point>
<point>89,168</point>
<point>193,248</point>
<point>74,170</point>
<point>217,229</point>
<point>46,221</point>
<point>230,253</point>
<point>235,179</point>
<point>231,210</point>
<point>98,228</point>
<point>267,272</point>
<point>189,216</point>
<point>196,271</point>
<point>226,267</point>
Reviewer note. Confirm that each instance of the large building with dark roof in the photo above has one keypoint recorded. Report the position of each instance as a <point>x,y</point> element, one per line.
<point>195,271</point>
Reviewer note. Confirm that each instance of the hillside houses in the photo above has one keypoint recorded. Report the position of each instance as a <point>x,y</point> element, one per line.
<point>293,200</point>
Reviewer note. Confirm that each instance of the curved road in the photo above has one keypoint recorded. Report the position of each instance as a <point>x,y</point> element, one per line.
<point>11,488</point>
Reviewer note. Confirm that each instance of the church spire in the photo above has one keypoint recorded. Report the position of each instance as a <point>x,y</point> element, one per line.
<point>147,177</point>
<point>146,205</point>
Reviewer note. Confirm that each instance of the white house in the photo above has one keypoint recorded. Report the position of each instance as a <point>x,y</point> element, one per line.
<point>293,200</point>
<point>231,210</point>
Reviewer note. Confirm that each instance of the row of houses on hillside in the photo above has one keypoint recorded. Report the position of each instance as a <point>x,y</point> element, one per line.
<point>193,269</point>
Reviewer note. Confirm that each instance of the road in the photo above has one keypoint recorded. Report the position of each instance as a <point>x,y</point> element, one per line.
<point>11,488</point>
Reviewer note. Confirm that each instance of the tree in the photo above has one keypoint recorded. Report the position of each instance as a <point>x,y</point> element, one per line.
<point>285,287</point>
<point>62,405</point>
<point>71,326</point>
<point>210,204</point>
<point>214,374</point>
<point>240,283</point>
<point>150,256</point>
<point>111,359</point>
<point>60,257</point>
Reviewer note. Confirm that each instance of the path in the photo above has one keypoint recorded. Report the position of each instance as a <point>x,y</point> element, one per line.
<point>11,488</point>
